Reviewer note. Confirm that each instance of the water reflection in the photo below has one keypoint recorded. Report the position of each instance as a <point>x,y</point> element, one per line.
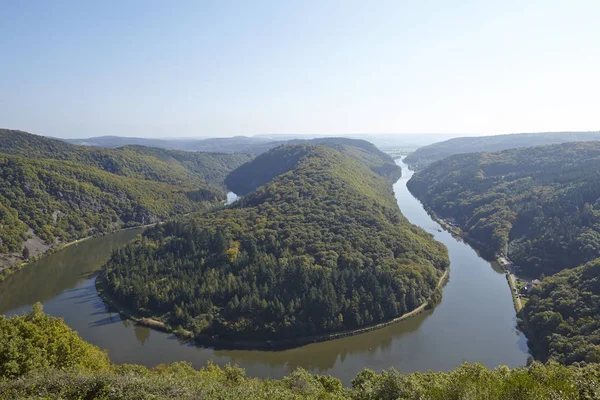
<point>142,333</point>
<point>60,272</point>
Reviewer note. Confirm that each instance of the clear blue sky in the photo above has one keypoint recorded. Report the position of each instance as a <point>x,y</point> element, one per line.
<point>189,68</point>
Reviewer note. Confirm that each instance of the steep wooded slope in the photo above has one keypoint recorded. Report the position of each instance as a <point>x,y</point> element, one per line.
<point>563,316</point>
<point>52,192</point>
<point>541,205</point>
<point>265,167</point>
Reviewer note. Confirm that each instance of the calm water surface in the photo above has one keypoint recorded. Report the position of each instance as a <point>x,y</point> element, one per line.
<point>475,321</point>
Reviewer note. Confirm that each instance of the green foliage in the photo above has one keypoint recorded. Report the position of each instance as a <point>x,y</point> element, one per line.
<point>65,200</point>
<point>563,315</point>
<point>212,168</point>
<point>365,152</point>
<point>42,358</point>
<point>474,382</point>
<point>173,167</point>
<point>426,155</point>
<point>267,166</point>
<point>180,381</point>
<point>64,192</point>
<point>37,341</point>
<point>540,205</point>
<point>319,248</point>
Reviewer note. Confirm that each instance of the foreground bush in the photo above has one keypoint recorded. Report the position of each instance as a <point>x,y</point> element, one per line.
<point>37,341</point>
<point>181,381</point>
<point>42,358</point>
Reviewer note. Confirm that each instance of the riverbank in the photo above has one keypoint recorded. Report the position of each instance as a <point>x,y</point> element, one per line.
<point>11,269</point>
<point>283,344</point>
<point>485,252</point>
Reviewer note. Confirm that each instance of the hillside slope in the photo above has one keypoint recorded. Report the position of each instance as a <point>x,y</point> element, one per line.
<point>52,192</point>
<point>264,168</point>
<point>541,205</point>
<point>174,167</point>
<point>320,247</point>
<point>426,155</point>
<point>563,316</point>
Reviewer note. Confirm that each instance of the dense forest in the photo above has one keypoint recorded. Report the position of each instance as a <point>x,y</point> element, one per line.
<point>42,358</point>
<point>563,316</point>
<point>265,167</point>
<point>52,192</point>
<point>540,205</point>
<point>321,247</point>
<point>174,167</point>
<point>426,155</point>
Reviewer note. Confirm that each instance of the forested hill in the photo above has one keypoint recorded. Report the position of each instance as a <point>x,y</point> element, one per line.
<point>366,152</point>
<point>563,316</point>
<point>267,166</point>
<point>236,144</point>
<point>174,167</point>
<point>426,155</point>
<point>53,192</point>
<point>539,204</point>
<point>321,247</point>
<point>361,149</point>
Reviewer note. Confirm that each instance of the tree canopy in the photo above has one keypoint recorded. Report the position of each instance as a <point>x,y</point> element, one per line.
<point>429,154</point>
<point>37,341</point>
<point>320,247</point>
<point>563,316</point>
<point>59,192</point>
<point>540,205</point>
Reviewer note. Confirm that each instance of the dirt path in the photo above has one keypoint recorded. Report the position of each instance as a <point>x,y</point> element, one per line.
<point>513,288</point>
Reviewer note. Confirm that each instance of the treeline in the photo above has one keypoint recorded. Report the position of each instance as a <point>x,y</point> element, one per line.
<point>540,205</point>
<point>426,155</point>
<point>266,166</point>
<point>138,162</point>
<point>563,316</point>
<point>54,192</point>
<point>41,357</point>
<point>319,248</point>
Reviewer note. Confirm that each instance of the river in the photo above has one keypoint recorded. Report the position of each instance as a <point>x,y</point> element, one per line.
<point>475,321</point>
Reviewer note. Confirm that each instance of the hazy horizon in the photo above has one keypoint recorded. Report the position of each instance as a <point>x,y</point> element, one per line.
<point>221,69</point>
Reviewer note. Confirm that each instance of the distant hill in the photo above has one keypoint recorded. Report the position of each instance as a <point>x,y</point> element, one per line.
<point>174,167</point>
<point>438,151</point>
<point>541,205</point>
<point>391,143</point>
<point>265,167</point>
<point>320,246</point>
<point>53,192</point>
<point>237,144</point>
